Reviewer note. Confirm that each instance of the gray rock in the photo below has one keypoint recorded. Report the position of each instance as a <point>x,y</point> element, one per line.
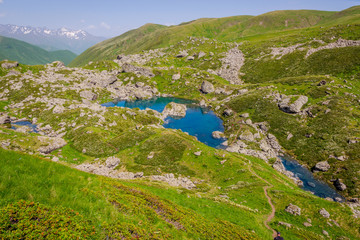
<point>197,153</point>
<point>325,233</point>
<point>112,162</point>
<point>323,166</point>
<point>182,54</point>
<point>289,136</point>
<point>228,113</point>
<point>174,110</point>
<point>339,185</point>
<point>89,95</point>
<point>207,87</point>
<point>9,65</point>
<point>58,109</point>
<point>4,118</point>
<point>306,224</point>
<point>127,67</point>
<point>50,144</point>
<point>231,66</point>
<point>295,107</point>
<point>288,225</point>
<point>176,76</point>
<point>324,213</point>
<point>245,115</point>
<point>201,54</point>
<point>293,209</point>
<point>190,58</point>
<point>247,136</point>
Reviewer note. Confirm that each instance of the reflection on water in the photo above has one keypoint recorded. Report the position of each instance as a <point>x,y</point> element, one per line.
<point>25,123</point>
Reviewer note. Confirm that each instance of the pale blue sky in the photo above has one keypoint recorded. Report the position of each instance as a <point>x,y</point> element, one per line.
<point>112,17</point>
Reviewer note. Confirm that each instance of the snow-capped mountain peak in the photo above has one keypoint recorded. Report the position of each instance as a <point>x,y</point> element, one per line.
<point>50,39</point>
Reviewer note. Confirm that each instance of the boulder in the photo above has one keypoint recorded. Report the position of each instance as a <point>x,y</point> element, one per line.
<point>339,185</point>
<point>324,213</point>
<point>58,109</point>
<point>4,118</point>
<point>58,64</point>
<point>217,134</point>
<point>9,65</point>
<point>197,153</point>
<point>190,58</point>
<point>174,110</point>
<point>245,115</point>
<point>201,54</point>
<point>295,107</point>
<point>207,87</point>
<point>127,67</point>
<point>293,209</point>
<point>323,166</point>
<point>50,144</point>
<point>182,54</point>
<point>89,95</point>
<point>228,113</point>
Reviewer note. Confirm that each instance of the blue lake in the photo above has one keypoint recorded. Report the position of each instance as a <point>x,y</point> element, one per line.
<point>199,122</point>
<point>311,184</point>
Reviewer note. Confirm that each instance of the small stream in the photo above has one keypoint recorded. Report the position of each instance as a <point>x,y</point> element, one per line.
<point>319,188</point>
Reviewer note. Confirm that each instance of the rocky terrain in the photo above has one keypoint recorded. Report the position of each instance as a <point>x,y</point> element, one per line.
<point>274,97</point>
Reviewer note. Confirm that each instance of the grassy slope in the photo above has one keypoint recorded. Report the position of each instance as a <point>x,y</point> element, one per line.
<point>25,53</point>
<point>226,29</point>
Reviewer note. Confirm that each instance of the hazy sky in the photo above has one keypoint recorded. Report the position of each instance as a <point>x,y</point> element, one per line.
<point>112,17</point>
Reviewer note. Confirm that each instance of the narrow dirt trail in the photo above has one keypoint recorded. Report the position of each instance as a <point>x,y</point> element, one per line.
<point>272,214</point>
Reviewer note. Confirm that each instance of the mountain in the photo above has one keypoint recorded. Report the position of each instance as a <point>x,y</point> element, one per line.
<point>235,28</point>
<point>26,53</point>
<point>61,39</point>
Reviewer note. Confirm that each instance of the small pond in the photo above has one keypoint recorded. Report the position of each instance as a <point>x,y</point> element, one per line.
<point>199,122</point>
<point>311,184</point>
<point>24,123</point>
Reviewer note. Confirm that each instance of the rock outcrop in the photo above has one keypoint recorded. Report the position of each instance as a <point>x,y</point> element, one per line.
<point>89,95</point>
<point>174,110</point>
<point>173,181</point>
<point>324,213</point>
<point>9,65</point>
<point>231,66</point>
<point>4,118</point>
<point>127,67</point>
<point>295,107</point>
<point>339,185</point>
<point>323,166</point>
<point>50,144</point>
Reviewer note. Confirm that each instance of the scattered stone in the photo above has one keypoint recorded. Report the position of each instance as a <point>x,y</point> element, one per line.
<point>339,185</point>
<point>231,66</point>
<point>198,153</point>
<point>289,136</point>
<point>223,161</point>
<point>207,87</point>
<point>139,84</point>
<point>324,213</point>
<point>245,115</point>
<point>293,209</point>
<point>323,166</point>
<point>55,159</point>
<point>127,67</point>
<point>228,113</point>
<point>288,225</point>
<point>325,233</point>
<point>322,83</point>
<point>182,54</point>
<point>190,58</point>
<point>58,109</point>
<point>306,224</point>
<point>201,54</point>
<point>4,118</point>
<point>177,182</point>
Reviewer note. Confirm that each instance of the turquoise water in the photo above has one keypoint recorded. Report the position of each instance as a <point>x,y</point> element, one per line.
<point>199,122</point>
<point>311,184</point>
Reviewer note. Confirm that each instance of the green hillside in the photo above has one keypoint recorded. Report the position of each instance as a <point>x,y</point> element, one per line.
<point>152,36</point>
<point>25,53</point>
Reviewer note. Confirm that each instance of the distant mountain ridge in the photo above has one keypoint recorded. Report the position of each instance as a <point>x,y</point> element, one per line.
<point>25,53</point>
<point>63,38</point>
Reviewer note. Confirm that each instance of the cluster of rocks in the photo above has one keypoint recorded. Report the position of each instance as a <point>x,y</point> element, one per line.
<point>9,65</point>
<point>231,65</point>
<point>267,143</point>
<point>49,144</point>
<point>173,181</point>
<point>108,169</point>
<point>340,43</point>
<point>278,166</point>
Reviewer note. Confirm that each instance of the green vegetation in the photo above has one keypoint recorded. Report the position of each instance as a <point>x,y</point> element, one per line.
<point>151,36</point>
<point>26,53</point>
